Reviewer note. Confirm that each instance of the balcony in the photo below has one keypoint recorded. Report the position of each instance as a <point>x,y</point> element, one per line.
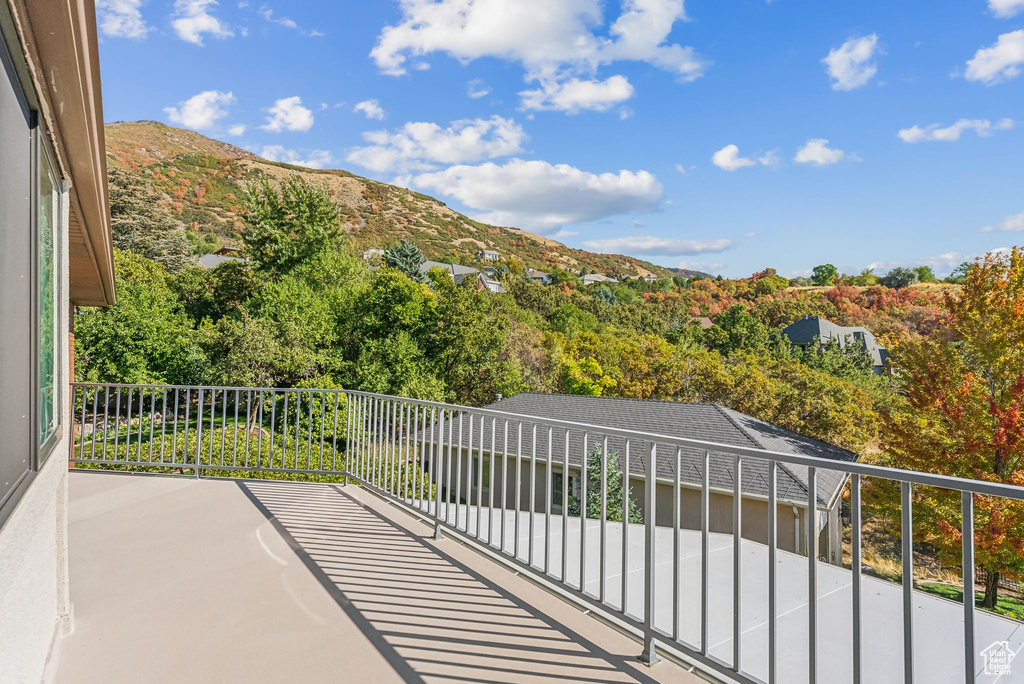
<point>429,542</point>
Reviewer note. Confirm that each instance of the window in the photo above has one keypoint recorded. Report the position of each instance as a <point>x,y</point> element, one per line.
<point>47,320</point>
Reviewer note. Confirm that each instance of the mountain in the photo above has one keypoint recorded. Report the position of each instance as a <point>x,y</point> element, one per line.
<point>202,182</point>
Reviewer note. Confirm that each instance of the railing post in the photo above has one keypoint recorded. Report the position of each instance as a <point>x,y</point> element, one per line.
<point>199,430</point>
<point>438,534</point>
<point>649,657</point>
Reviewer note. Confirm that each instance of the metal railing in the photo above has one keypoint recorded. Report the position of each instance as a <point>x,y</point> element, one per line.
<point>536,494</point>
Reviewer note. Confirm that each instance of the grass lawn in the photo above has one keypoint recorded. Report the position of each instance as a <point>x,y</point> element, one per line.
<point>1007,605</point>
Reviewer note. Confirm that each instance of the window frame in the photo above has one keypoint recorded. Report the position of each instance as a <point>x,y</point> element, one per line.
<point>43,157</point>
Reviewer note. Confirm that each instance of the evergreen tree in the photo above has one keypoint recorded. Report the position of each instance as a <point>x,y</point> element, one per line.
<point>613,487</point>
<point>139,224</point>
<point>407,258</point>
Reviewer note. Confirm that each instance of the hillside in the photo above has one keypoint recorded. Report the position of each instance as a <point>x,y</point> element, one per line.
<point>202,182</point>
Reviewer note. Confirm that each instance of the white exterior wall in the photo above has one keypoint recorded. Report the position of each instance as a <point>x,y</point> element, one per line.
<point>35,605</point>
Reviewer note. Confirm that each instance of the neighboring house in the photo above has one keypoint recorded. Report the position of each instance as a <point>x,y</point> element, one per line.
<point>538,276</point>
<point>650,279</point>
<point>57,256</point>
<point>702,321</point>
<point>210,261</point>
<point>488,255</point>
<point>706,422</point>
<point>459,273</point>
<point>593,278</point>
<point>803,333</point>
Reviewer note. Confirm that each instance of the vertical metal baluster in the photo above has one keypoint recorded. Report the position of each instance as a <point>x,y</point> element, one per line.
<point>480,480</point>
<point>504,481</point>
<point>533,492</point>
<point>199,435</point>
<point>907,529</point>
<point>676,524</point>
<point>389,434</point>
<point>855,551</point>
<point>95,413</point>
<point>284,430</point>
<point>82,429</point>
<point>565,510</point>
<point>547,505</point>
<point>273,424</point>
<point>967,527</point>
<point>298,426</point>
<point>519,482</point>
<point>812,575</point>
<point>773,543</point>
<point>323,422</point>
<point>138,445</point>
<point>334,437</point>
<point>259,434</point>
<point>583,513</point>
<point>603,554</point>
<point>117,423</point>
<point>188,408</point>
<point>737,570</point>
<point>373,443</point>
<point>174,430</point>
<point>213,416</point>
<point>458,471</point>
<point>128,427</point>
<point>409,491</point>
<point>404,466</point>
<point>490,484</point>
<point>234,434</point>
<point>378,466</point>
<point>163,427</point>
<point>437,453</point>
<point>223,423</point>
<point>625,527</point>
<point>152,423</point>
<point>248,427</point>
<point>424,453</point>
<point>705,560</point>
<point>309,432</point>
<point>650,512</point>
<point>106,419</point>
<point>448,468</point>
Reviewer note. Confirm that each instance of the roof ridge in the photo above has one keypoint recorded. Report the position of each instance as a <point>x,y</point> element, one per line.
<point>746,433</point>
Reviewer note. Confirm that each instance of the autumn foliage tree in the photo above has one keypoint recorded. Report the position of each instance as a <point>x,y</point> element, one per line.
<point>963,415</point>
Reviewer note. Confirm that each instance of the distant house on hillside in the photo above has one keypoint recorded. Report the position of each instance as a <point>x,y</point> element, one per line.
<point>538,276</point>
<point>592,278</point>
<point>488,255</point>
<point>459,273</point>
<point>705,422</point>
<point>803,333</point>
<point>702,321</point>
<point>222,255</point>
<point>650,278</point>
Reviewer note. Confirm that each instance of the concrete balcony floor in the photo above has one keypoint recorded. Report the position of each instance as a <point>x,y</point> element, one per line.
<point>183,580</point>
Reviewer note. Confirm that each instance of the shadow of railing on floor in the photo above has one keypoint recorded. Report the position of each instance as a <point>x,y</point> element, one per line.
<point>427,613</point>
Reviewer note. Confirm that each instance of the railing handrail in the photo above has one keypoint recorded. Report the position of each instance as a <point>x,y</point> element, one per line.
<point>850,467</point>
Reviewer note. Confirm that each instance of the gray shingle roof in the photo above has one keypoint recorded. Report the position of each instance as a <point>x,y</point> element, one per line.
<point>806,329</point>
<point>706,422</point>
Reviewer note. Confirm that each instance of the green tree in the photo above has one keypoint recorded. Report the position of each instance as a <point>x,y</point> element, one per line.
<point>925,274</point>
<point>612,490</point>
<point>407,258</point>
<point>900,277</point>
<point>824,274</point>
<point>289,225</point>
<point>140,225</point>
<point>959,274</point>
<point>145,337</point>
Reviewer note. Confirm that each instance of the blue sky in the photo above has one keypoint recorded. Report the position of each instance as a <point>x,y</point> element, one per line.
<point>722,135</point>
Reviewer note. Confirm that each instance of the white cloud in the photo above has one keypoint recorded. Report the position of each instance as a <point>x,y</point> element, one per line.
<point>703,266</point>
<point>1015,222</point>
<point>572,95</point>
<point>268,14</point>
<point>201,111</point>
<point>849,65</point>
<point>192,19</point>
<point>419,145</point>
<point>999,62</point>
<point>477,89</point>
<point>942,264</point>
<point>559,44</point>
<point>121,19</point>
<point>651,244</point>
<point>729,158</point>
<point>288,114</point>
<point>371,108</point>
<point>542,196</point>
<point>681,169</point>
<point>236,130</point>
<point>952,133</point>
<point>315,159</point>
<point>1004,9</point>
<point>816,151</point>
